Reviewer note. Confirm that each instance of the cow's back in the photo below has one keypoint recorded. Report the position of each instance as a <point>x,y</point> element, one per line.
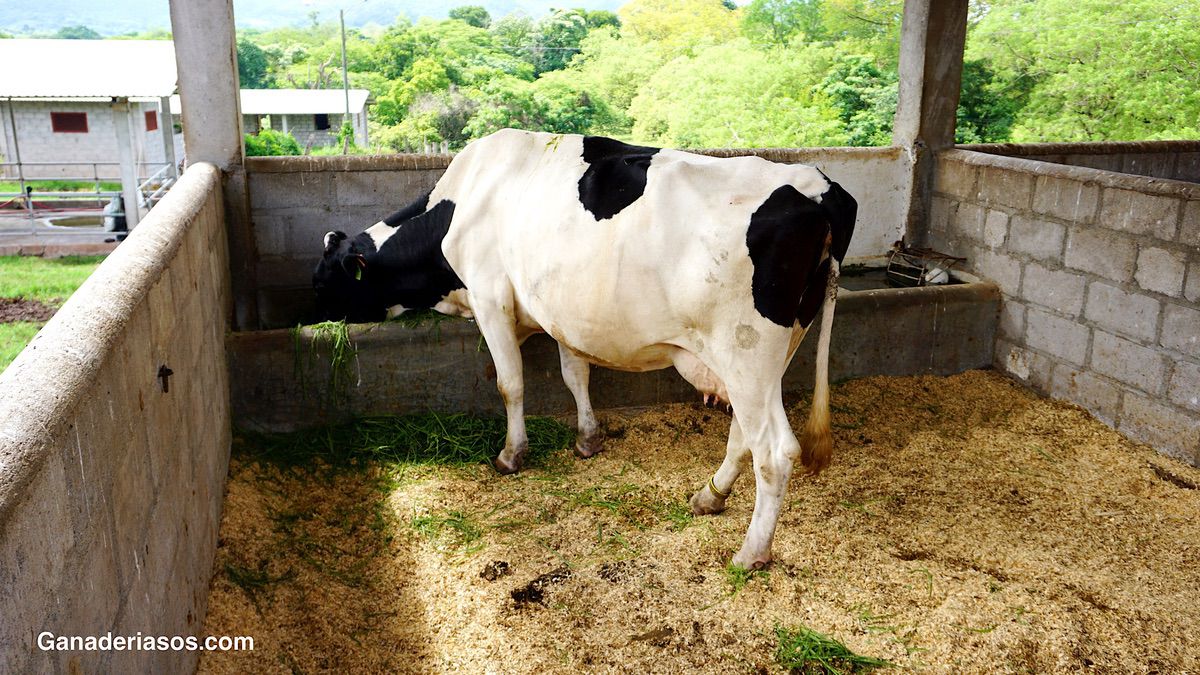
<point>662,265</point>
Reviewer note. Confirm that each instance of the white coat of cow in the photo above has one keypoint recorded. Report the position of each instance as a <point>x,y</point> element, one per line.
<point>630,258</point>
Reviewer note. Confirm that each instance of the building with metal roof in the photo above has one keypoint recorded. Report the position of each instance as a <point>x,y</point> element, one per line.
<point>313,116</point>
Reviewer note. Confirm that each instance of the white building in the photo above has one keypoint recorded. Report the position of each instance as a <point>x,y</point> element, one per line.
<point>313,116</point>
<point>79,108</point>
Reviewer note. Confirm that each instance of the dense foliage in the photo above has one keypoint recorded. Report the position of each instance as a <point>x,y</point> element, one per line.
<point>706,73</point>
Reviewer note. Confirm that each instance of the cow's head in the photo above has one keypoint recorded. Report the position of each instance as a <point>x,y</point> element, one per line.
<point>396,265</point>
<point>343,285</point>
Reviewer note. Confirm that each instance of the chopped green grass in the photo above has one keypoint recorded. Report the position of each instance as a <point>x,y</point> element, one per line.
<point>48,280</point>
<point>738,576</point>
<point>450,530</point>
<point>806,651</point>
<point>418,439</point>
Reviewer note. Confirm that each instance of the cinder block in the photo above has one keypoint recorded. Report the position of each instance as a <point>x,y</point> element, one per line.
<point>954,178</point>
<point>1130,314</point>
<point>995,228</point>
<point>1128,362</point>
<point>1138,213</point>
<point>1153,164</point>
<point>1191,289</point>
<point>968,221</point>
<point>1002,269</point>
<point>389,190</point>
<point>1098,395</point>
<point>1029,366</point>
<point>289,190</point>
<point>1184,389</point>
<point>1181,330</point>
<point>1095,250</point>
<point>1189,227</point>
<point>941,214</point>
<point>1161,271</point>
<point>1171,431</point>
<point>270,235</point>
<point>1012,320</point>
<point>1057,336</point>
<point>1065,198</point>
<point>1059,290</point>
<point>1005,187</point>
<point>1040,239</point>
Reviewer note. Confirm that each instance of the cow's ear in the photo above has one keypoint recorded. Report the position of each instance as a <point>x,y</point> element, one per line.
<point>332,239</point>
<point>355,265</point>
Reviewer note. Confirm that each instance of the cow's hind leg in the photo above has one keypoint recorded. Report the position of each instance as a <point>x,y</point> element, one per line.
<point>496,322</point>
<point>775,449</point>
<point>575,372</point>
<point>711,498</point>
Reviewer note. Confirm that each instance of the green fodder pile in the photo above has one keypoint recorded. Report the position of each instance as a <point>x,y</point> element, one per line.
<point>966,525</point>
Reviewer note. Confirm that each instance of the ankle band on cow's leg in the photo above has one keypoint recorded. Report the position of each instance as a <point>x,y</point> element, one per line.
<point>712,485</point>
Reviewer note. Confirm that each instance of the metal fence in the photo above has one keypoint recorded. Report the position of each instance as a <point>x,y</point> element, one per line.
<point>37,207</point>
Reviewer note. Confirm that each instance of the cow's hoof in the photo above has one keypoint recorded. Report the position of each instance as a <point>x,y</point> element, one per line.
<point>704,502</point>
<point>752,562</point>
<point>507,466</point>
<point>588,447</point>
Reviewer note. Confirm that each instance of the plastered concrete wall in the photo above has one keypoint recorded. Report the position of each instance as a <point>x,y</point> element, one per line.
<point>1100,274</point>
<point>111,486</point>
<point>294,201</point>
<point>1175,160</point>
<point>398,370</point>
<point>38,141</point>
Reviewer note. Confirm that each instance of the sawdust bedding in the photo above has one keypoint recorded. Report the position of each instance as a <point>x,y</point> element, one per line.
<point>966,525</point>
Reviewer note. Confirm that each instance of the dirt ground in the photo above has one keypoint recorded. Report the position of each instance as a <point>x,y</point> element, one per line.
<point>965,525</point>
<point>20,309</point>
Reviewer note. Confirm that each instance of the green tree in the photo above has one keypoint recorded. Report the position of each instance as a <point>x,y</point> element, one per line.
<point>77,33</point>
<point>252,66</point>
<point>987,107</point>
<point>472,15</point>
<point>778,21</point>
<point>426,76</point>
<point>1094,69</point>
<point>734,95</point>
<point>865,98</point>
<point>679,26</point>
<point>613,69</point>
<point>557,37</point>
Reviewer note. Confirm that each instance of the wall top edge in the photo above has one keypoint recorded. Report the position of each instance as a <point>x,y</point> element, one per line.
<point>1090,148</point>
<point>48,381</point>
<point>1109,179</point>
<point>408,162</point>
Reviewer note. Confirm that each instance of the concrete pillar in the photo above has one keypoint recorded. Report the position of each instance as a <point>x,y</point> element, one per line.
<point>206,56</point>
<point>166,128</point>
<point>128,165</point>
<point>283,121</point>
<point>931,54</point>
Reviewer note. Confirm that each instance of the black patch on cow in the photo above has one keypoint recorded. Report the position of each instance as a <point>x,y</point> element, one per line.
<point>408,270</point>
<point>411,211</point>
<point>615,177</point>
<point>842,210</point>
<point>814,295</point>
<point>786,238</point>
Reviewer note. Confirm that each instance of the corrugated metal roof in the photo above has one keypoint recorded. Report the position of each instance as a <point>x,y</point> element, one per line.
<point>85,68</point>
<point>295,101</point>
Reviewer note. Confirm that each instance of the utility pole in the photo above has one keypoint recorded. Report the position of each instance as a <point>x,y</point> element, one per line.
<point>345,83</point>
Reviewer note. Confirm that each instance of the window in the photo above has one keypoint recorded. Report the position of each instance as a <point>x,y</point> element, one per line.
<point>151,120</point>
<point>69,122</point>
<point>321,122</point>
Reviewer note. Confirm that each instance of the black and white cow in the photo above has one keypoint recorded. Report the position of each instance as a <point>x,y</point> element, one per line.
<point>632,258</point>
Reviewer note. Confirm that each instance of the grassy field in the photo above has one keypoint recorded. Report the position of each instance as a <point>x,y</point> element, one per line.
<point>50,281</point>
<point>60,186</point>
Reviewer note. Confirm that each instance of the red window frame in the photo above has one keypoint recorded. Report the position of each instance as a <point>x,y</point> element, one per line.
<point>151,120</point>
<point>69,122</point>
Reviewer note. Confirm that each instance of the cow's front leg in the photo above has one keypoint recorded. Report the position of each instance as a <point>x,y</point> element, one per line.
<point>496,322</point>
<point>711,498</point>
<point>575,372</point>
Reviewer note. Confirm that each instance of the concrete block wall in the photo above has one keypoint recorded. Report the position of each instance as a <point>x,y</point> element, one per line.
<point>38,142</point>
<point>1100,275</point>
<point>294,201</point>
<point>110,482</point>
<point>1174,160</point>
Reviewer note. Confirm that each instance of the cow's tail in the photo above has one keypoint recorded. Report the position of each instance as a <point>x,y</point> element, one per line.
<point>816,442</point>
